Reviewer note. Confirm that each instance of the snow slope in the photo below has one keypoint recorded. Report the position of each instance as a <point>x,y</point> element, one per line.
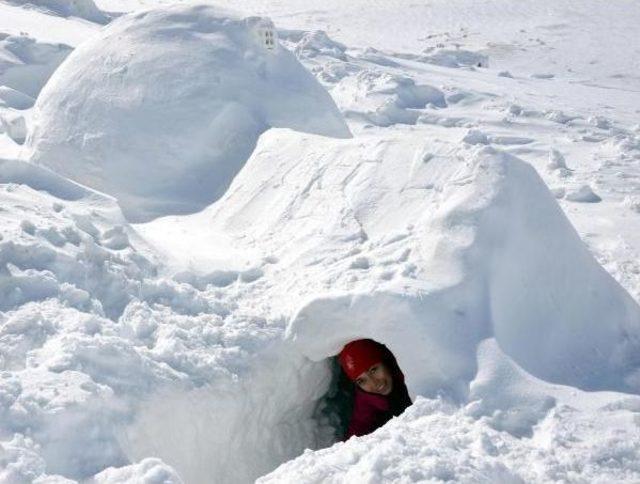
<point>194,348</point>
<point>85,9</point>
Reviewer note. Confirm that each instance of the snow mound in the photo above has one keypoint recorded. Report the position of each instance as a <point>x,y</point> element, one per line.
<point>583,194</point>
<point>26,64</point>
<point>14,125</point>
<point>147,471</point>
<point>432,252</point>
<point>492,254</point>
<point>14,99</point>
<point>163,107</point>
<point>385,99</point>
<point>316,43</point>
<point>429,254</point>
<point>85,9</point>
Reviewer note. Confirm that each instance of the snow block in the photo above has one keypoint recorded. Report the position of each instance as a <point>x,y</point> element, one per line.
<point>163,107</point>
<point>499,259</point>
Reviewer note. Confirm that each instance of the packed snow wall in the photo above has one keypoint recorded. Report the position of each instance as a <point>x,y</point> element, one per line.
<point>469,242</point>
<point>162,108</point>
<point>499,259</point>
<point>235,428</point>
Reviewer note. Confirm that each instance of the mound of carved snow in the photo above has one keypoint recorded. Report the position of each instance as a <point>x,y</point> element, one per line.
<point>429,248</point>
<point>410,241</point>
<point>163,107</point>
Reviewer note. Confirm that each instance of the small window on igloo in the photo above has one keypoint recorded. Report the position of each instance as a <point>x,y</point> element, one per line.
<point>267,37</point>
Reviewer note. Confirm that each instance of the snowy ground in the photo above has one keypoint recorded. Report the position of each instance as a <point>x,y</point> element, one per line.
<point>195,345</point>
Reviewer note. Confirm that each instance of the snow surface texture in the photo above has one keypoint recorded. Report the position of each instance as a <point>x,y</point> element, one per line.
<point>193,348</point>
<point>85,9</point>
<point>163,108</point>
<point>26,65</point>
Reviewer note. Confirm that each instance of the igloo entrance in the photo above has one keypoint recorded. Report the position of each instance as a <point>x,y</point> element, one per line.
<point>369,390</point>
<point>335,407</point>
<point>248,424</point>
<point>286,398</point>
<point>242,428</point>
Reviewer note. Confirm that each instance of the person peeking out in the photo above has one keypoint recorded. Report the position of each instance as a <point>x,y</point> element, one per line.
<point>380,392</point>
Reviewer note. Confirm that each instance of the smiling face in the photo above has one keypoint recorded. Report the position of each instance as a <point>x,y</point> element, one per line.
<point>377,379</point>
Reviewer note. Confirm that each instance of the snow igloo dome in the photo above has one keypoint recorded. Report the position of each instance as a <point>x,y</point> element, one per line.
<point>163,107</point>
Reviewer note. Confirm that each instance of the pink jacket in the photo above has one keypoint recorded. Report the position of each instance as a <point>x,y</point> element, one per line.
<point>369,413</point>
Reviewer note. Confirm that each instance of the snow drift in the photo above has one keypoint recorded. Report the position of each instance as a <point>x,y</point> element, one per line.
<point>163,107</point>
<point>85,9</point>
<point>26,65</point>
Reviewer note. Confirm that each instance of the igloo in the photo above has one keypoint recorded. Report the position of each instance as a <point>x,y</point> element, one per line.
<point>163,107</point>
<point>365,239</point>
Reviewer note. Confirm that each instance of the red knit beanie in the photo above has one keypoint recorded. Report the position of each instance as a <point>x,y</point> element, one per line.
<point>360,355</point>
